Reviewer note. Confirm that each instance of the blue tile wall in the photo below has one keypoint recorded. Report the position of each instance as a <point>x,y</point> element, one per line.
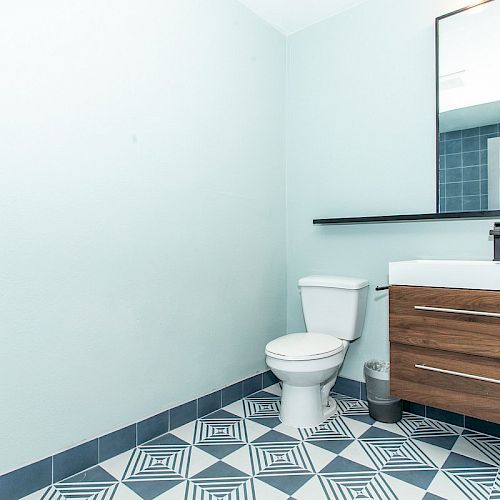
<point>463,169</point>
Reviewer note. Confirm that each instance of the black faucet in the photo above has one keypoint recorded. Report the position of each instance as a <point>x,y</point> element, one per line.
<point>496,240</point>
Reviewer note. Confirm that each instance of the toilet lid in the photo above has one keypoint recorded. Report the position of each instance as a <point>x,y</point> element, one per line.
<point>304,346</point>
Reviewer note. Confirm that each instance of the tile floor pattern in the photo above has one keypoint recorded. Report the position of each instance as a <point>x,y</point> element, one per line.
<point>244,452</point>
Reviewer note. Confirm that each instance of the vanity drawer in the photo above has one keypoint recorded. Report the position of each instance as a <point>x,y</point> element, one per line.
<point>457,382</point>
<point>457,320</point>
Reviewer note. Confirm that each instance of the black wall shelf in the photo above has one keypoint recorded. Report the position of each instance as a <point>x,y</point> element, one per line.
<point>491,214</point>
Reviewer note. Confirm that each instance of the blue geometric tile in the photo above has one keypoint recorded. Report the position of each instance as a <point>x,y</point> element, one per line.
<point>474,482</point>
<point>489,446</point>
<point>334,435</point>
<point>262,406</point>
<point>346,457</point>
<point>148,490</point>
<point>284,465</point>
<point>437,433</point>
<point>220,481</point>
<point>287,484</point>
<point>343,478</point>
<point>430,496</point>
<point>221,415</point>
<point>220,437</point>
<point>270,422</point>
<point>456,461</point>
<point>95,483</point>
<point>155,468</point>
<point>274,437</point>
<point>412,465</point>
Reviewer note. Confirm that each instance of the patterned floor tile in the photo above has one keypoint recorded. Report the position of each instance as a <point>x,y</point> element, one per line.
<point>220,481</point>
<point>244,452</point>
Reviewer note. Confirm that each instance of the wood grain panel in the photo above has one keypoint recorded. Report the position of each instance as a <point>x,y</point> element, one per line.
<point>470,397</point>
<point>477,335</point>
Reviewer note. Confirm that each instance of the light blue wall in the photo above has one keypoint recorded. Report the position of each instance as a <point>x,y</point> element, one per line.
<point>142,201</point>
<point>361,122</point>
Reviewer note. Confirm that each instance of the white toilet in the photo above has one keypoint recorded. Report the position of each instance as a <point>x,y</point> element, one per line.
<point>308,363</point>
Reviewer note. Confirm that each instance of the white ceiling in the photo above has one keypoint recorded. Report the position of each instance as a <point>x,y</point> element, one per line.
<point>289,16</point>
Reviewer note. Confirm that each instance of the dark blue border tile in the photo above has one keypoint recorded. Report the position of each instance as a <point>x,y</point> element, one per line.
<point>444,416</point>
<point>482,426</point>
<point>415,408</point>
<point>183,414</point>
<point>232,393</point>
<point>268,379</point>
<point>75,460</point>
<point>153,427</point>
<point>210,403</point>
<point>27,480</point>
<point>252,384</point>
<point>117,442</point>
<point>348,387</point>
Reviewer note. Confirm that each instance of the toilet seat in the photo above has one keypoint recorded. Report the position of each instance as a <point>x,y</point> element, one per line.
<point>304,346</point>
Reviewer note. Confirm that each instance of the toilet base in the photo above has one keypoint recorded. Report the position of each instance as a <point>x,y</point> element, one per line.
<point>303,406</point>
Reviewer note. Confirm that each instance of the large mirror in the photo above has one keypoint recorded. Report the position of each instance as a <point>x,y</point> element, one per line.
<point>469,109</point>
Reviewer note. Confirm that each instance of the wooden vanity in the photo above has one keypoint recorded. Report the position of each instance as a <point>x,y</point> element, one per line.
<point>445,348</point>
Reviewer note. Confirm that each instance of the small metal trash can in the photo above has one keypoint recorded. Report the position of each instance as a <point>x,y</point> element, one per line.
<point>382,406</point>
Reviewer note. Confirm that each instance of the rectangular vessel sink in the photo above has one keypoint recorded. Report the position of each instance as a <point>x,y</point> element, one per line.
<point>473,274</point>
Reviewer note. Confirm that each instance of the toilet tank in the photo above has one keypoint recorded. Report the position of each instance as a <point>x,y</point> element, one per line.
<point>334,305</point>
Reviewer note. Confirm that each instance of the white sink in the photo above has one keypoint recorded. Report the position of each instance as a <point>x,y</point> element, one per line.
<point>474,274</point>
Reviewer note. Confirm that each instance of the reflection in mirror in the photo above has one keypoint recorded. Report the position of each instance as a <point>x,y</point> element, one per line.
<point>469,109</point>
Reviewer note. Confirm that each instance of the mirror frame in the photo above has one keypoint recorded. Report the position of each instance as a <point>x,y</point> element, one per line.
<point>480,214</point>
<point>486,213</point>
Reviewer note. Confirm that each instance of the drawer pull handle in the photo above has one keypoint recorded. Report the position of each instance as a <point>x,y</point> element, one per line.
<point>458,311</point>
<point>458,374</point>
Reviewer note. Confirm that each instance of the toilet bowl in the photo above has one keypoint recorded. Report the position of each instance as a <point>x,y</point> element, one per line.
<point>308,363</point>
